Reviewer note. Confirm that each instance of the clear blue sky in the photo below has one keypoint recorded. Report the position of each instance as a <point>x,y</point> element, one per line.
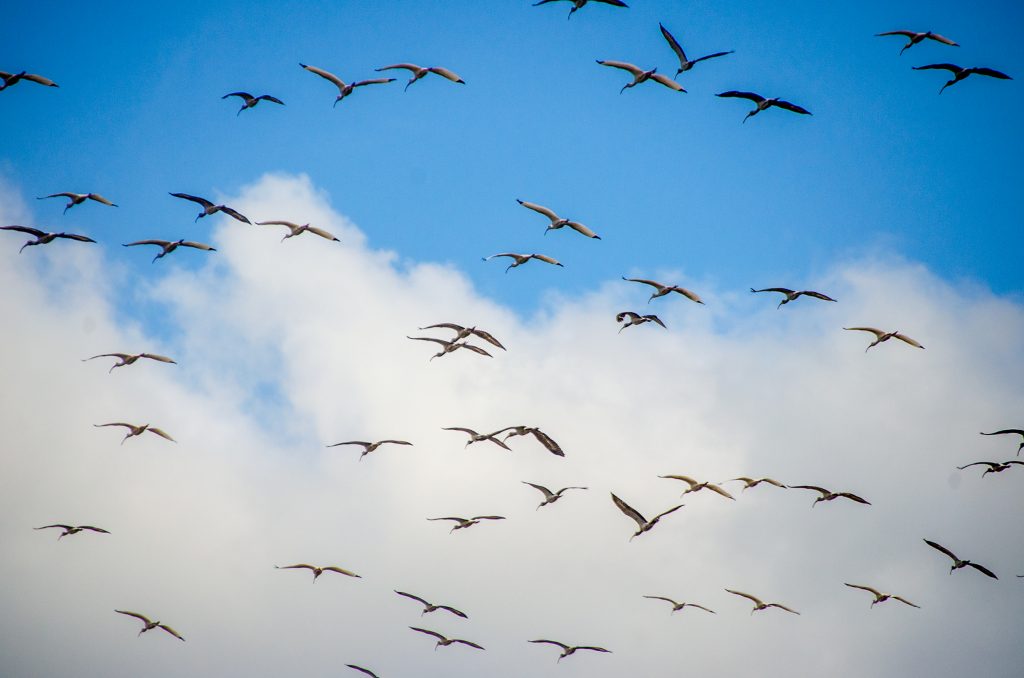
<point>671,181</point>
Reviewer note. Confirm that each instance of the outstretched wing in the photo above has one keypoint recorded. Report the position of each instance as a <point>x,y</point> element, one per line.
<point>652,283</point>
<point>326,75</point>
<point>143,618</point>
<point>817,295</point>
<point>235,214</point>
<point>733,94</point>
<point>550,642</point>
<point>667,82</point>
<point>991,73</point>
<point>712,56</point>
<point>783,290</point>
<point>904,338</point>
<point>873,330</point>
<point>984,570</point>
<point>197,245</point>
<point>340,570</point>
<point>548,442</point>
<point>436,341</point>
<point>629,511</point>
<point>428,632</point>
<point>754,599</point>
<point>161,433</point>
<point>864,588</point>
<point>539,209</point>
<point>267,97</point>
<point>906,602</point>
<point>466,642</point>
<point>488,337</point>
<point>635,70</point>
<point>241,95</point>
<point>24,229</point>
<point>545,491</point>
<point>445,73</point>
<point>792,107</point>
<point>665,513</point>
<point>674,44</point>
<point>94,529</point>
<point>171,631</point>
<point>545,258</point>
<point>943,549</point>
<point>781,607</point>
<point>373,81</point>
<point>952,68</point>
<point>194,198</point>
<point>457,613</point>
<point>63,527</point>
<point>362,670</point>
<point>908,34</point>
<point>154,356</point>
<point>854,497</point>
<point>667,600</point>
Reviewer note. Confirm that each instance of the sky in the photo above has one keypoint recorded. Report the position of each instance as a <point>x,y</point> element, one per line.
<point>898,202</point>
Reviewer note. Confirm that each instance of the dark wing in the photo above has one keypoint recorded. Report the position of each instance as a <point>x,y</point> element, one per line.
<point>952,68</point>
<point>197,245</point>
<point>448,326</point>
<point>394,442</point>
<point>488,518</point>
<point>551,642</point>
<point>362,670</point>
<point>792,107</point>
<point>416,598</point>
<point>234,213</point>
<point>41,80</point>
<point>546,492</point>
<point>196,199</point>
<point>242,95</point>
<point>65,527</point>
<point>701,607</point>
<point>756,98</point>
<point>429,633</point>
<point>171,631</point>
<point>94,529</point>
<point>864,588</point>
<point>138,616</point>
<point>674,44</point>
<point>850,495</point>
<point>652,283</point>
<point>822,490</point>
<point>712,56</point>
<point>591,647</point>
<point>656,319</point>
<point>614,3</point>
<point>352,442</point>
<point>158,243</point>
<point>781,607</point>
<point>817,295</point>
<point>374,81</point>
<point>1005,430</point>
<point>466,642</point>
<point>984,570</point>
<point>24,229</point>
<point>991,73</point>
<point>75,236</point>
<point>303,566</point>
<point>489,338</point>
<point>457,613</point>
<point>626,314</point>
<point>774,289</point>
<point>665,513</point>
<point>667,600</point>
<point>908,34</point>
<point>943,549</point>
<point>475,349</point>
<point>459,428</point>
<point>549,444</point>
<point>436,341</point>
<point>629,511</point>
<point>267,97</point>
<point>991,464</point>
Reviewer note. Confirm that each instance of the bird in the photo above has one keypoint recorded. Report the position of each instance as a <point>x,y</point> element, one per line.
<point>296,229</point>
<point>993,466</point>
<point>661,289</point>
<point>558,222</point>
<point>630,318</point>
<point>250,101</point>
<point>881,597</point>
<point>362,670</point>
<point>72,529</point>
<point>543,438</point>
<point>450,346</point>
<point>467,522</point>
<point>696,486</point>
<point>792,295</point>
<point>960,73</point>
<point>918,37</point>
<point>442,641</point>
<point>760,604</point>
<point>521,259</point>
<point>684,63</point>
<point>134,430</point>
<point>430,607</point>
<point>78,199</point>
<point>148,624</point>
<point>209,208</point>
<point>42,237</point>
<point>1007,431</point>
<point>11,79</point>
<point>475,437</point>
<point>549,496</point>
<point>643,524</point>
<point>344,89</point>
<point>763,103</point>
<point>578,4</point>
<point>828,495</point>
<point>754,482</point>
<point>678,606</point>
<point>640,75</point>
<point>317,571</point>
<point>569,649</point>
<point>465,332</point>
<point>370,447</point>
<point>420,72</point>
<point>957,563</point>
<point>168,246</point>
<point>881,335</point>
<point>130,358</point>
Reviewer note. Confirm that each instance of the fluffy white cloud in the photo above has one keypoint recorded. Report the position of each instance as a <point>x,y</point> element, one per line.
<point>286,347</point>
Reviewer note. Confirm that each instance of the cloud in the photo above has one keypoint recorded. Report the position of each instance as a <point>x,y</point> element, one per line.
<point>284,348</point>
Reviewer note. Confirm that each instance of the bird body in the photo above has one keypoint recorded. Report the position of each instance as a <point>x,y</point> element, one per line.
<point>792,295</point>
<point>134,430</point>
<point>640,75</point>
<point>317,571</point>
<point>882,335</point>
<point>915,38</point>
<point>549,496</point>
<point>521,259</point>
<point>370,446</point>
<point>149,624</point>
<point>760,604</point>
<point>684,63</point>
<point>661,289</point>
<point>42,237</point>
<point>296,229</point>
<point>558,222</point>
<point>11,79</point>
<point>72,529</point>
<point>209,208</point>
<point>422,71</point>
<point>130,358</point>
<point>78,199</point>
<point>569,649</point>
<point>763,103</point>
<point>168,246</point>
<point>960,73</point>
<point>249,100</point>
<point>430,607</point>
<point>344,89</point>
<point>463,523</point>
<point>630,319</point>
<point>960,563</point>
<point>828,495</point>
<point>881,597</point>
<point>993,466</point>
<point>643,524</point>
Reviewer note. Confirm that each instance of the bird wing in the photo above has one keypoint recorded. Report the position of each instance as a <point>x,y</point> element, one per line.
<point>984,570</point>
<point>667,600</point>
<point>122,356</point>
<point>865,588</point>
<point>792,107</point>
<point>908,34</point>
<point>64,527</point>
<point>429,633</point>
<point>548,442</point>
<point>550,642</point>
<point>196,245</point>
<point>362,670</point>
<point>100,199</point>
<point>904,338</point>
<point>450,75</point>
<point>1019,463</point>
<point>466,642</point>
<point>394,442</point>
<point>24,229</point>
<point>665,513</point>
<point>234,213</point>
<point>459,428</point>
<point>341,570</point>
<point>540,209</point>
<point>196,199</point>
<point>449,326</point>
<point>326,75</point>
<point>161,433</point>
<point>952,68</point>
<point>629,511</point>
<point>416,598</point>
<point>822,490</point>
<point>712,56</point>
<point>436,341</point>
<point>241,95</point>
<point>652,283</point>
<point>457,613</point>
<point>545,258</point>
<point>783,290</point>
<point>626,314</point>
<point>475,349</point>
<point>701,607</point>
<point>1005,430</point>
<point>979,463</point>
<point>991,73</point>
<point>322,233</point>
<point>504,254</point>
<point>289,224</point>
<point>352,442</point>
<point>614,3</point>
<point>455,518</point>
<point>674,44</point>
<point>580,228</point>
<point>488,518</point>
<point>905,601</point>
<point>943,549</point>
<point>171,631</point>
<point>772,481</point>
<point>94,529</point>
<point>667,82</point>
<point>756,98</point>
<point>850,495</point>
<point>154,356</point>
<point>939,38</point>
<point>719,490</point>
<point>488,337</point>
<point>577,487</point>
<point>65,194</point>
<point>115,423</point>
<point>267,97</point>
<point>408,67</point>
<point>302,566</point>
<point>817,295</point>
<point>39,79</point>
<point>782,607</point>
<point>74,236</point>
<point>635,70</point>
<point>141,617</point>
<point>686,479</point>
<point>373,81</point>
<point>547,493</point>
<point>591,647</point>
<point>873,330</point>
<point>755,599</point>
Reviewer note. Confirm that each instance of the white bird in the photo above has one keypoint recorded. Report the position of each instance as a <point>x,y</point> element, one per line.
<point>543,438</point>
<point>42,237</point>
<point>465,332</point>
<point>696,486</point>
<point>829,495</point>
<point>959,73</point>
<point>661,289</point>
<point>72,529</point>
<point>249,100</point>
<point>11,79</point>
<point>643,524</point>
<point>549,496</point>
<point>760,604</point>
<point>915,38</point>
<point>640,75</point>
<point>558,222</point>
<point>763,103</point>
<point>430,607</point>
<point>754,482</point>
<point>370,446</point>
<point>130,358</point>
<point>630,318</point>
<point>209,208</point>
<point>881,335</point>
<point>793,294</point>
<point>420,72</point>
<point>296,229</point>
<point>1009,431</point>
<point>958,563</point>
<point>521,259</point>
<point>450,346</point>
<point>475,437</point>
<point>148,624</point>
<point>442,641</point>
<point>168,246</point>
<point>78,199</point>
<point>684,63</point>
<point>578,4</point>
<point>679,606</point>
<point>879,596</point>
<point>317,571</point>
<point>993,466</point>
<point>134,430</point>
<point>569,649</point>
<point>344,89</point>
<point>467,522</point>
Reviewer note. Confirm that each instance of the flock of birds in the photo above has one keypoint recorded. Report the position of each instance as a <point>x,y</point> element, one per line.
<point>463,334</point>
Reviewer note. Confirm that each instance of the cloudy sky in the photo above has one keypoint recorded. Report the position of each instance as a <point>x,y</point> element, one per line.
<point>895,201</point>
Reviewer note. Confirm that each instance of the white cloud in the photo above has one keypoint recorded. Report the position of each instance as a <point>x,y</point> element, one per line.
<point>286,347</point>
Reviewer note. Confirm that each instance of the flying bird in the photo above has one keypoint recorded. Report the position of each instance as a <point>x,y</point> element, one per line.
<point>209,208</point>
<point>430,607</point>
<point>420,72</point>
<point>475,437</point>
<point>879,596</point>
<point>521,259</point>
<point>569,649</point>
<point>317,571</point>
<point>1010,431</point>
<point>72,529</point>
<point>578,4</point>
<point>695,486</point>
<point>78,199</point>
<point>828,495</point>
<point>467,522</point>
<point>643,524</point>
<point>961,73</point>
<point>993,466</point>
<point>148,624</point>
<point>11,79</point>
<point>465,332</point>
<point>640,75</point>
<point>543,438</point>
<point>344,89</point>
<point>754,482</point>
<point>42,237</point>
<point>362,670</point>
<point>250,101</point>
<point>684,63</point>
<point>957,563</point>
<point>450,346</point>
<point>168,246</point>
<point>442,641</point>
<point>630,318</point>
<point>760,604</point>
<point>661,289</point>
<point>549,496</point>
<point>881,335</point>
<point>763,103</point>
<point>134,430</point>
<point>130,358</point>
<point>792,295</point>
<point>918,37</point>
<point>678,606</point>
<point>296,229</point>
<point>558,222</point>
<point>370,447</point>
